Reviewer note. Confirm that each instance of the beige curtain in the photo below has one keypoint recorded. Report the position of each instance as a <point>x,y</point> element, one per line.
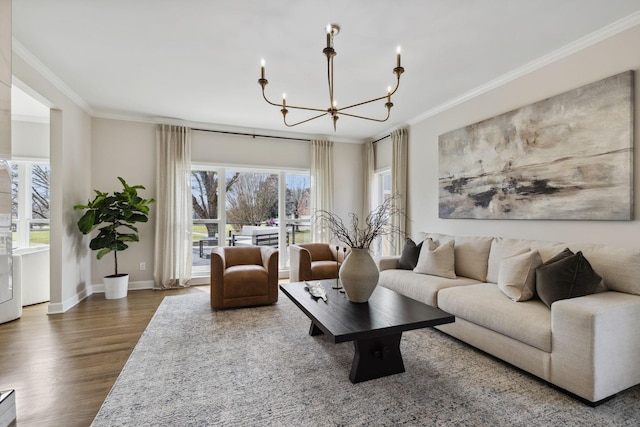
<point>399,167</point>
<point>173,251</point>
<point>321,186</point>
<point>368,167</point>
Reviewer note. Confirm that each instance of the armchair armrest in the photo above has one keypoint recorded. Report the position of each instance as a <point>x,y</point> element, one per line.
<point>300,263</point>
<point>595,344</point>
<point>270,263</point>
<point>218,266</point>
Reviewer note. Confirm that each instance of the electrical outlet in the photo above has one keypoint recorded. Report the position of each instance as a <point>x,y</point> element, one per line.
<point>143,266</point>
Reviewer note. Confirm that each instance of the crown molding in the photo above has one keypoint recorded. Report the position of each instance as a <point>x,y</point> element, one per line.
<point>574,47</point>
<point>24,54</point>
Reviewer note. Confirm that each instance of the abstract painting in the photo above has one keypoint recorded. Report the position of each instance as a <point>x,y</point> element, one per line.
<point>569,157</point>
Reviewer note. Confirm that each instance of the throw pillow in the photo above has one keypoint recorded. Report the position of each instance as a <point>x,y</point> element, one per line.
<point>517,275</point>
<point>437,260</point>
<point>410,253</point>
<point>502,248</point>
<point>569,276</point>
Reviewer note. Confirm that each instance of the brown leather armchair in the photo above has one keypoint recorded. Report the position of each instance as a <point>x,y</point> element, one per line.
<point>315,261</point>
<point>244,276</point>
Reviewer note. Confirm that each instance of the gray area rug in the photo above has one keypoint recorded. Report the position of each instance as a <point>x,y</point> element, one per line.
<point>259,366</point>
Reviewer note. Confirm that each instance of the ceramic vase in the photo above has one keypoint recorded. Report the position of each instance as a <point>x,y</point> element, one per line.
<point>359,275</point>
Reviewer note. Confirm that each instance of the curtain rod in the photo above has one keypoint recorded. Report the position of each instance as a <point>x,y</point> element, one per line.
<point>252,135</point>
<point>380,139</point>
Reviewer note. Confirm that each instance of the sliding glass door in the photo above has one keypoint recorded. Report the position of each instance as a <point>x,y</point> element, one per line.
<point>236,207</point>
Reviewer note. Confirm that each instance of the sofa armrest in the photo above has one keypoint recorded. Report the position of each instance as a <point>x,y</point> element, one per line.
<point>595,344</point>
<point>388,262</point>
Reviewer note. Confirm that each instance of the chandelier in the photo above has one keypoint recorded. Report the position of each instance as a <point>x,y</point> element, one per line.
<point>333,110</point>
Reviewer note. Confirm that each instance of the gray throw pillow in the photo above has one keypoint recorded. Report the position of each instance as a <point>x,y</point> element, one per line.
<point>564,276</point>
<point>410,253</point>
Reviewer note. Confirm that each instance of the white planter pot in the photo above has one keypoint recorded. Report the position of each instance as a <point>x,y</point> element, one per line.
<point>359,275</point>
<point>116,286</point>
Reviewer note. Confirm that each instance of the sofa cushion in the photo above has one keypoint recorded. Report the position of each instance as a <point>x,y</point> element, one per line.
<point>485,305</point>
<point>437,259</point>
<point>421,287</point>
<point>471,254</point>
<point>502,248</point>
<point>410,253</point>
<point>517,275</point>
<point>566,276</point>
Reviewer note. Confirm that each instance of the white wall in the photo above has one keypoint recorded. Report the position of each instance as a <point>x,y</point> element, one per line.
<point>29,140</point>
<point>609,57</point>
<point>127,149</point>
<point>70,149</point>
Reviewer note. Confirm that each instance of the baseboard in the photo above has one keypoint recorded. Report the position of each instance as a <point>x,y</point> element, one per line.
<point>98,288</point>
<point>61,307</point>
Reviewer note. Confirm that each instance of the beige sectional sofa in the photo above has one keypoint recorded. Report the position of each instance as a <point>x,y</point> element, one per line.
<point>588,345</point>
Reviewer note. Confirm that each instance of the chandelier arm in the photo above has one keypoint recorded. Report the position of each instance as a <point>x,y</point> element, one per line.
<point>372,100</point>
<point>368,118</point>
<point>324,110</point>
<point>272,103</point>
<point>340,110</point>
<point>303,121</point>
<point>292,106</point>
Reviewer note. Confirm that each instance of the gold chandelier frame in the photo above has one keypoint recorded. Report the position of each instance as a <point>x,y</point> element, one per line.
<point>333,110</point>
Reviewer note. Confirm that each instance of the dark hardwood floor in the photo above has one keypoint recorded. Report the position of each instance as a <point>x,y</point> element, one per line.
<point>62,366</point>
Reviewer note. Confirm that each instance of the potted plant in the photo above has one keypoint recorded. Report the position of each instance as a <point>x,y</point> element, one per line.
<point>116,215</point>
<point>359,272</point>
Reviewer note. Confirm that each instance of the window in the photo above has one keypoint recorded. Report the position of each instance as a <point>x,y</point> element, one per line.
<point>30,197</point>
<point>226,200</point>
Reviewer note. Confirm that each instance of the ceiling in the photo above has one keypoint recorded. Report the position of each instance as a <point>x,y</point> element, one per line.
<point>198,61</point>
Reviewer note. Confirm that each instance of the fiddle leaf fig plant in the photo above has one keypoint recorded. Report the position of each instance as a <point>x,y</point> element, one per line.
<point>116,215</point>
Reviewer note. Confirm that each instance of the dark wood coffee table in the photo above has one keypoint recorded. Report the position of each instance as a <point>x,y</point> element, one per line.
<point>375,327</point>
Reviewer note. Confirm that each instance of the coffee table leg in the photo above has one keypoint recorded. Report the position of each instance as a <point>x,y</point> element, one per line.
<point>314,330</point>
<point>375,358</point>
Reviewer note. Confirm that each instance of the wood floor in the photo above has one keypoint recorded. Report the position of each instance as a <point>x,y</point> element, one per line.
<point>62,366</point>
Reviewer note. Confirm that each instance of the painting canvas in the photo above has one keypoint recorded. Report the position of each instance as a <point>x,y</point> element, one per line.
<point>569,157</point>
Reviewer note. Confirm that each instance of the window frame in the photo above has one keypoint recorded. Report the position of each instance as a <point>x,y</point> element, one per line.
<point>24,219</point>
<point>221,170</point>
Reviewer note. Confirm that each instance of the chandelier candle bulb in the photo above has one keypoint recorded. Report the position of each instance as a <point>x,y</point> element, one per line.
<point>262,69</point>
<point>398,50</point>
<point>284,99</point>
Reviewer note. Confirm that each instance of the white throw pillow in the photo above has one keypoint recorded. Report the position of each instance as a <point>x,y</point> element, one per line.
<point>437,260</point>
<point>517,275</point>
<point>502,248</point>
